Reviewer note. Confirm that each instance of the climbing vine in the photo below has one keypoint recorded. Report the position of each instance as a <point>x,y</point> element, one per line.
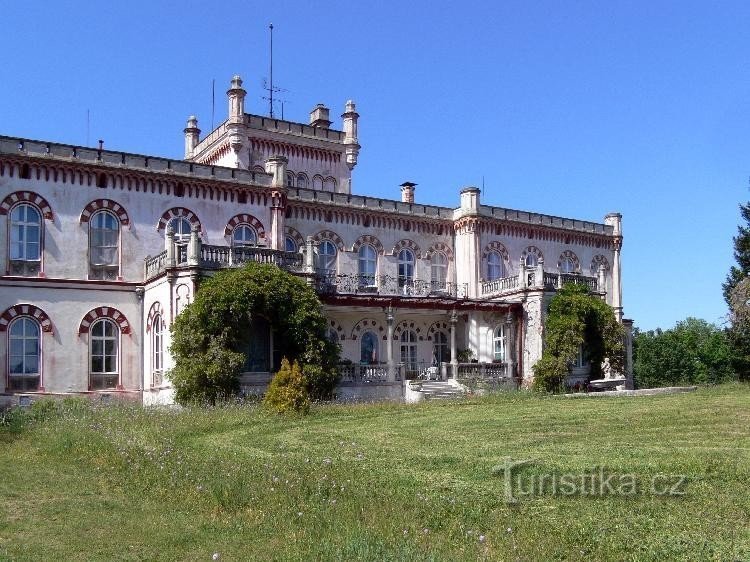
<point>210,337</point>
<point>575,319</point>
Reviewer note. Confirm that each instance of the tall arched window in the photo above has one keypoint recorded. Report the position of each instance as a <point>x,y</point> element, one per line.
<point>567,265</point>
<point>327,258</point>
<point>25,241</point>
<point>439,271</point>
<point>157,349</point>
<point>405,268</point>
<point>244,235</point>
<point>290,245</point>
<point>368,264</point>
<point>104,246</point>
<point>104,354</point>
<point>24,355</point>
<point>302,180</point>
<point>531,260</point>
<point>498,343</point>
<point>290,179</point>
<point>368,349</point>
<point>495,266</point>
<point>409,350</point>
<point>441,350</point>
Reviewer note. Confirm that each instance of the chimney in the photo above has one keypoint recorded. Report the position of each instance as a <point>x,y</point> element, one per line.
<point>407,192</point>
<point>470,199</point>
<point>319,117</point>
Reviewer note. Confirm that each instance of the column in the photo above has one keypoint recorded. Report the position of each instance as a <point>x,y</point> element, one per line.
<point>454,347</point>
<point>510,345</point>
<point>616,282</point>
<point>628,325</point>
<point>389,320</point>
<point>194,247</point>
<point>169,246</point>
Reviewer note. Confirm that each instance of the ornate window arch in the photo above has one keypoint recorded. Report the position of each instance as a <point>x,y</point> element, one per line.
<point>332,236</point>
<point>28,197</point>
<point>179,212</point>
<point>290,178</point>
<point>439,247</point>
<point>26,310</point>
<point>244,218</point>
<point>568,263</point>
<point>365,325</point>
<point>318,182</point>
<point>296,237</point>
<point>104,354</point>
<point>302,180</point>
<point>329,184</point>
<point>108,205</point>
<point>597,261</point>
<point>367,265</point>
<point>532,256</point>
<point>369,348</point>
<point>104,312</point>
<point>24,354</point>
<point>496,261</point>
<point>371,240</point>
<point>408,244</point>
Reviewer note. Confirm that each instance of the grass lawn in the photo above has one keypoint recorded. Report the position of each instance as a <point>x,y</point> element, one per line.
<point>385,482</point>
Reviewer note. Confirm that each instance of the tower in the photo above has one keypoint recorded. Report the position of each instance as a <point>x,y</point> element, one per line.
<point>236,122</point>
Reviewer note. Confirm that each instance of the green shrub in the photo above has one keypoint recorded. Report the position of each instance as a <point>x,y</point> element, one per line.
<point>320,382</point>
<point>288,390</point>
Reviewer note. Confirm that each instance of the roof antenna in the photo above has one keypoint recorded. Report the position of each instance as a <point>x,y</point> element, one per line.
<point>213,101</point>
<point>269,86</point>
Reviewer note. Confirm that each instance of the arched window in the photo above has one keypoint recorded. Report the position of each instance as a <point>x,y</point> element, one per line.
<point>182,229</point>
<point>439,271</point>
<point>290,179</point>
<point>531,260</point>
<point>368,264</point>
<point>24,355</point>
<point>104,246</point>
<point>496,266</point>
<point>244,235</point>
<point>302,180</point>
<point>157,348</point>
<point>368,349</point>
<point>290,245</point>
<point>567,265</point>
<point>498,343</point>
<point>327,258</point>
<point>405,268</point>
<point>409,350</point>
<point>25,240</point>
<point>104,354</point>
<point>441,352</point>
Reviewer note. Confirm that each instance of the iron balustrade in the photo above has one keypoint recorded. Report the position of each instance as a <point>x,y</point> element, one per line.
<point>367,284</point>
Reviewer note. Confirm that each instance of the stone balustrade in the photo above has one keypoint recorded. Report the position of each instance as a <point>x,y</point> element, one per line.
<point>357,284</point>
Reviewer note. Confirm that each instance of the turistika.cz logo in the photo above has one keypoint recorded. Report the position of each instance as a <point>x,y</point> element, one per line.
<point>598,482</point>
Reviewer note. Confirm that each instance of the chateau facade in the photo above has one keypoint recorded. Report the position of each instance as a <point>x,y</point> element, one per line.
<point>101,250</point>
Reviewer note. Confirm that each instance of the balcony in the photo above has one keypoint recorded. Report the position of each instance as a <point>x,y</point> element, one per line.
<point>219,257</point>
<point>534,277</point>
<point>386,285</point>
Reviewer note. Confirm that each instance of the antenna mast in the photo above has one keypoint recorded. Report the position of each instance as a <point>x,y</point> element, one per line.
<point>270,89</point>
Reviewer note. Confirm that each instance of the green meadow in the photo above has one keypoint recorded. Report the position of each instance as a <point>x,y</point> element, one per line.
<point>631,478</point>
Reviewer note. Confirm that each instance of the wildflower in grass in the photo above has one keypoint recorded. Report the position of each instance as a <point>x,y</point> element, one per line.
<point>327,460</point>
<point>299,514</point>
<point>509,529</point>
<point>216,556</point>
<point>425,530</point>
<point>481,538</point>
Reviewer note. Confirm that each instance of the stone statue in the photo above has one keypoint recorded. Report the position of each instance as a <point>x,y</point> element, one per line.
<point>606,369</point>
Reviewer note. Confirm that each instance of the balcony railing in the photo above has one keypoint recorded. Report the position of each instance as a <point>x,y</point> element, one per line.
<point>355,284</point>
<point>557,280</point>
<point>536,278</point>
<point>354,373</point>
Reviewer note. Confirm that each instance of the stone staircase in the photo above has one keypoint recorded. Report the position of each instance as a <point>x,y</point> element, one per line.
<point>440,390</point>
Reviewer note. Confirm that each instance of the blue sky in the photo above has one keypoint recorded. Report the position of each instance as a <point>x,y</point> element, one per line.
<point>567,108</point>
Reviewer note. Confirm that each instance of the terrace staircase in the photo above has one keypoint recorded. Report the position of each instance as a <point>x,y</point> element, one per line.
<point>440,390</point>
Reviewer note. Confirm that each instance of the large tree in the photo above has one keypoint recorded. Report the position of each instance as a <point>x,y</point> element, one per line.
<point>736,290</point>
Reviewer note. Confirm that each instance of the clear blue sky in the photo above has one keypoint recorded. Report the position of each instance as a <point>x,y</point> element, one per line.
<point>568,108</point>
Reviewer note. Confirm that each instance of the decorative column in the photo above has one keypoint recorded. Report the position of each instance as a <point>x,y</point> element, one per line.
<point>615,221</point>
<point>310,246</point>
<point>192,135</point>
<point>601,281</point>
<point>510,344</point>
<point>351,144</point>
<point>539,275</point>
<point>276,166</point>
<point>389,320</point>
<point>454,346</point>
<point>468,255</point>
<point>236,128</point>
<point>194,246</point>
<point>533,343</point>
<point>523,279</point>
<point>169,246</point>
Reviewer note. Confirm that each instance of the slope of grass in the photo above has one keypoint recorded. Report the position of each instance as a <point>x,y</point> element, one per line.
<point>381,482</point>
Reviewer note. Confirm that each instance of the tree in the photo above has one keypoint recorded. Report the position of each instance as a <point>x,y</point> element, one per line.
<point>693,352</point>
<point>210,337</point>
<point>576,319</point>
<point>736,291</point>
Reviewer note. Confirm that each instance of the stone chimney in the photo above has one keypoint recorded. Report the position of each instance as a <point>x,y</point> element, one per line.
<point>407,192</point>
<point>192,134</point>
<point>319,117</point>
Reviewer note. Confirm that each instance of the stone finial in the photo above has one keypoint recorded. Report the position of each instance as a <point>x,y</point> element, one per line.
<point>236,100</point>
<point>470,199</point>
<point>615,221</point>
<point>350,117</point>
<point>407,192</point>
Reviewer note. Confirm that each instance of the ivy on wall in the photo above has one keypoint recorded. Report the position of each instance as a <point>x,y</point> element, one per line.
<point>577,318</point>
<point>210,336</point>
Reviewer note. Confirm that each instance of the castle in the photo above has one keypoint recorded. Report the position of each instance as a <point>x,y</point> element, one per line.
<point>103,249</point>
